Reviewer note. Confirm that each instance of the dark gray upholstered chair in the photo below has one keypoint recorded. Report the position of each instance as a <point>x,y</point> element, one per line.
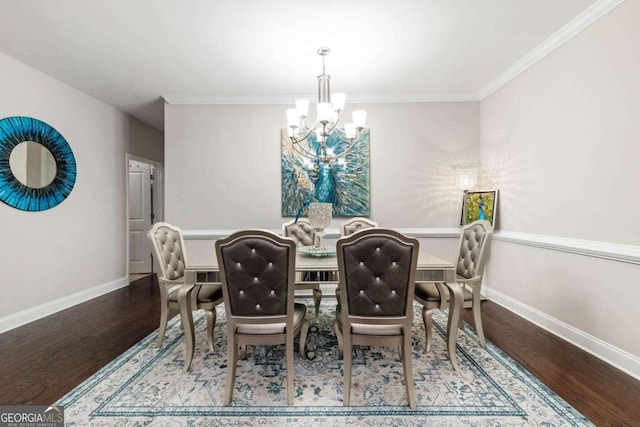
<point>303,234</point>
<point>377,270</point>
<point>472,251</point>
<point>354,224</point>
<point>168,246</point>
<point>257,271</point>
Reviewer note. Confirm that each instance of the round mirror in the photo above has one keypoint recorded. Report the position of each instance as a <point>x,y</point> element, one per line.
<point>32,164</point>
<point>37,165</point>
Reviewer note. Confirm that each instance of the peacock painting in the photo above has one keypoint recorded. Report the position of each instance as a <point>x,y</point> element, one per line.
<point>344,182</point>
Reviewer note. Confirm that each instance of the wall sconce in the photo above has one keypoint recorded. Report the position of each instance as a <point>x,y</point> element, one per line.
<point>466,176</point>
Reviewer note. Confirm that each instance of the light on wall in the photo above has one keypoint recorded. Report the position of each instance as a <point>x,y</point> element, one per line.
<point>466,176</point>
<point>326,124</point>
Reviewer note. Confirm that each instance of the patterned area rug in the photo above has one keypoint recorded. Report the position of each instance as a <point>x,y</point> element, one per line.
<point>145,386</point>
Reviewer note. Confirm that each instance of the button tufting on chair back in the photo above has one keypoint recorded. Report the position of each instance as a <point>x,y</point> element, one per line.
<point>300,231</point>
<point>171,260</point>
<point>377,274</point>
<point>355,224</point>
<point>257,277</point>
<point>468,263</point>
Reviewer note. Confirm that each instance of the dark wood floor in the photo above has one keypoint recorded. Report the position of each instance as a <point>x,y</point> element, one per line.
<point>42,361</point>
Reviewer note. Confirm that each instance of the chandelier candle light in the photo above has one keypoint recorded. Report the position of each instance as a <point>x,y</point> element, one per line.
<point>326,124</point>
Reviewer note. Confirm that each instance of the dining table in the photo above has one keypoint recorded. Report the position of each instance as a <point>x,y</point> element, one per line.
<point>430,269</point>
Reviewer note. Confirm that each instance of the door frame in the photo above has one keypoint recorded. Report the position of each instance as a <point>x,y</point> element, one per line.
<point>158,198</point>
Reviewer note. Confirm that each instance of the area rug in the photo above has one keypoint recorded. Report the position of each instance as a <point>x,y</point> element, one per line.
<point>145,386</point>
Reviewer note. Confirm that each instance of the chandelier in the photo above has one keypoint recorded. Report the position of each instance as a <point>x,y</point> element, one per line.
<point>326,124</point>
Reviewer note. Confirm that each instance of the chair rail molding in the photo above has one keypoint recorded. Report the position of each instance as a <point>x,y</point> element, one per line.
<point>592,248</point>
<point>331,233</point>
<point>616,357</point>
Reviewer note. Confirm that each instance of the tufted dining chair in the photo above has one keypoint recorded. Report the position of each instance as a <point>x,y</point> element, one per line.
<point>354,224</point>
<point>168,246</point>
<point>471,259</point>
<point>257,271</point>
<point>302,232</point>
<point>377,270</point>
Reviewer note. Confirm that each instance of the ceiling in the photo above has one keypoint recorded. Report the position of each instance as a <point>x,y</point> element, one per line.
<point>131,53</point>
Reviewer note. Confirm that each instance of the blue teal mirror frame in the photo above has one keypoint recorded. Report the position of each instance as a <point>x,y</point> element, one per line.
<point>18,129</point>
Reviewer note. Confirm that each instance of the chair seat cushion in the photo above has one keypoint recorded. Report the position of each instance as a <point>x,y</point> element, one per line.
<point>429,292</point>
<point>299,312</point>
<point>208,293</point>
<point>362,329</point>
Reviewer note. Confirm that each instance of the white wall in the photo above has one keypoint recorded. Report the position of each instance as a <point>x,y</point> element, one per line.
<point>63,255</point>
<point>560,141</point>
<point>223,163</point>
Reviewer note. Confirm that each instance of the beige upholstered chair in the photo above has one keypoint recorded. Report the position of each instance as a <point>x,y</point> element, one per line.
<point>168,246</point>
<point>257,271</point>
<point>303,234</point>
<point>472,251</point>
<point>354,224</point>
<point>377,270</point>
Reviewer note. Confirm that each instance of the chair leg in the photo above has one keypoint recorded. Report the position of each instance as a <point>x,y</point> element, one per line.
<point>317,297</point>
<point>232,356</point>
<point>428,327</point>
<point>346,357</point>
<point>303,339</point>
<point>164,313</point>
<point>336,328</point>
<point>243,352</point>
<point>291,371</point>
<point>408,369</point>
<point>477,319</point>
<point>211,324</point>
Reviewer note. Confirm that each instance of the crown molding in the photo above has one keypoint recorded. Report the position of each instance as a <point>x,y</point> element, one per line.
<point>575,26</point>
<point>291,99</point>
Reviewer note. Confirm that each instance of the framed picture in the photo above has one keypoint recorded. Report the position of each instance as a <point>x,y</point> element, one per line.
<point>344,183</point>
<point>479,205</point>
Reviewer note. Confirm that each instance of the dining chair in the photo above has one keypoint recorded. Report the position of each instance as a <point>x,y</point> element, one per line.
<point>169,249</point>
<point>302,232</point>
<point>471,259</point>
<point>354,224</point>
<point>257,270</point>
<point>376,269</point>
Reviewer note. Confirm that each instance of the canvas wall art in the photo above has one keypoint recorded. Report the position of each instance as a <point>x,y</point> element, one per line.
<point>344,182</point>
<point>479,205</point>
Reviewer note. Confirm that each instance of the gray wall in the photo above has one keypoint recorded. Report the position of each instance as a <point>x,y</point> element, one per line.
<point>561,143</point>
<point>223,163</point>
<point>76,250</point>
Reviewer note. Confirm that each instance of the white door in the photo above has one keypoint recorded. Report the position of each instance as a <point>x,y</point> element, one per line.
<point>140,217</point>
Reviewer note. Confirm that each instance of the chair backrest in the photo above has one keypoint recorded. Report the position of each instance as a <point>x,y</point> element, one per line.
<point>472,248</point>
<point>257,273</point>
<point>301,231</point>
<point>377,273</point>
<point>168,247</point>
<point>354,224</point>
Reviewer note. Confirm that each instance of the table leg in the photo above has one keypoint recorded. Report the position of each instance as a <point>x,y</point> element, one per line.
<point>186,315</point>
<point>455,311</point>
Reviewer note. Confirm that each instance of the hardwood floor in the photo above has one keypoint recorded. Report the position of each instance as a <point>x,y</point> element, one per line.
<point>42,361</point>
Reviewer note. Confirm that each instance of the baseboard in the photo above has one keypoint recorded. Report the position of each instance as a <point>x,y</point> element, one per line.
<point>616,357</point>
<point>38,312</point>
